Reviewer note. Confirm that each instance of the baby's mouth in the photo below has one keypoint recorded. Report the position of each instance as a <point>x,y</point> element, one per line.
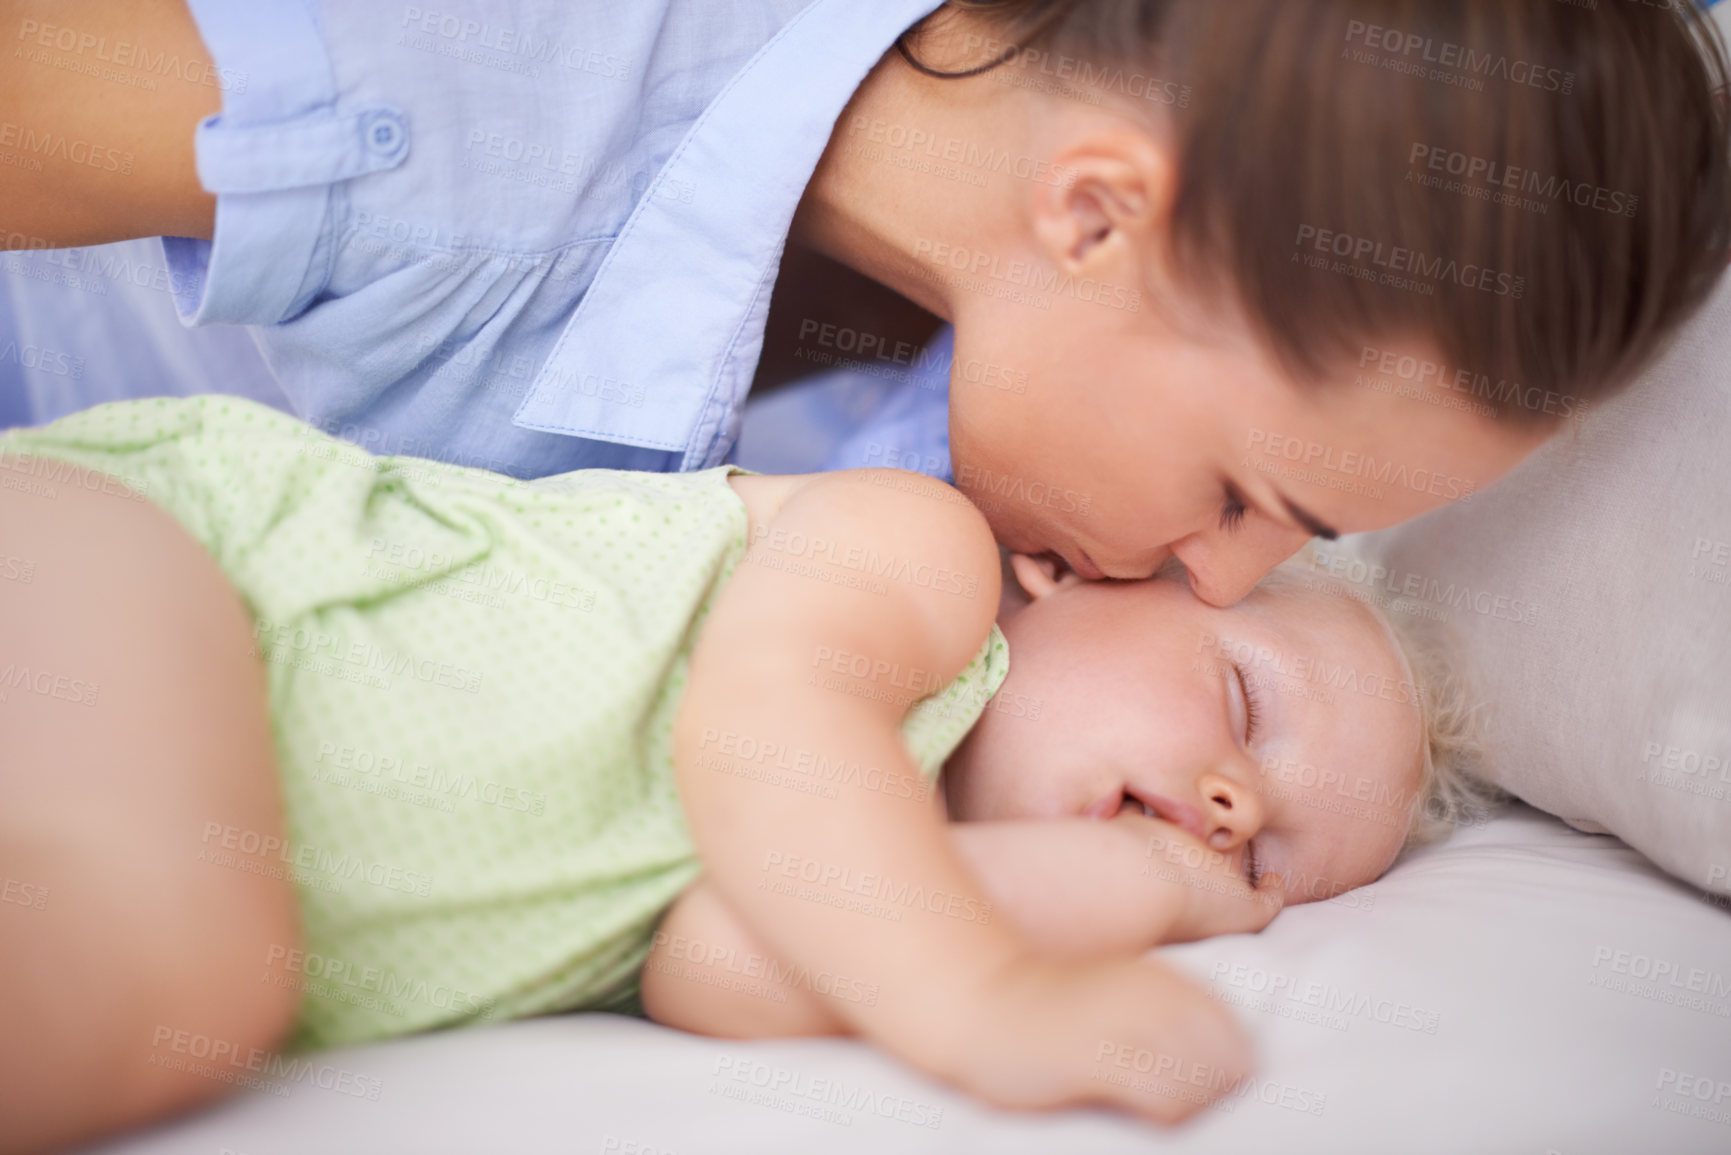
<point>1186,818</point>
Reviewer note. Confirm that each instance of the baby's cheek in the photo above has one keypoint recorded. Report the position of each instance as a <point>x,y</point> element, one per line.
<point>986,771</point>
<point>990,777</point>
<point>1342,842</point>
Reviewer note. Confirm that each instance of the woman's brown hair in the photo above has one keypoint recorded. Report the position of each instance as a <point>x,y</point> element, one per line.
<point>1538,188</point>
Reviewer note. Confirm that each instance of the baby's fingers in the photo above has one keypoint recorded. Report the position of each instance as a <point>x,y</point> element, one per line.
<point>1199,1055</point>
<point>1126,1033</point>
<point>1219,905</point>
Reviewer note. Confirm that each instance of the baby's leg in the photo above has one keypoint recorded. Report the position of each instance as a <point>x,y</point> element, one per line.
<point>134,742</point>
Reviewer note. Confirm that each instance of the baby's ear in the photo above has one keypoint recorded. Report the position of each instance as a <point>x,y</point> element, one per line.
<point>1039,575</point>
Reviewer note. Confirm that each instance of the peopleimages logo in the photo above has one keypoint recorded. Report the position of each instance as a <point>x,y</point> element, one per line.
<point>1425,374</point>
<point>746,756</point>
<point>833,877</point>
<point>19,893</point>
<point>43,360</point>
<point>763,975</point>
<point>864,561</point>
<point>63,148</point>
<point>1417,51</point>
<point>225,1061</point>
<point>960,151</point>
<point>981,484</point>
<point>1089,78</point>
<point>1389,586</point>
<point>831,1100</point>
<point>1330,999</point>
<point>1311,668</point>
<point>383,981</point>
<point>1696,1096</point>
<point>1400,262</point>
<point>508,42</point>
<point>359,659</point>
<point>1662,980</point>
<point>1353,463</point>
<point>1486,173</point>
<point>92,53</point>
<point>253,852</point>
<point>1025,274</point>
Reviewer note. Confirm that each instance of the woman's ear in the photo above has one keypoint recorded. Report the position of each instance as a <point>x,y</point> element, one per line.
<point>1039,576</point>
<point>1117,190</point>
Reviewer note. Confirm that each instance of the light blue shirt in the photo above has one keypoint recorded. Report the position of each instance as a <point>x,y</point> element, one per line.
<point>876,412</point>
<point>532,236</point>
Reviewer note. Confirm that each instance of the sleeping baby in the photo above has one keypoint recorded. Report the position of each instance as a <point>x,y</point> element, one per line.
<point>1283,750</point>
<point>417,746</point>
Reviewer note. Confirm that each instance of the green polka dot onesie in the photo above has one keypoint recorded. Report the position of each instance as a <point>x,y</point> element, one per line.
<point>472,683</point>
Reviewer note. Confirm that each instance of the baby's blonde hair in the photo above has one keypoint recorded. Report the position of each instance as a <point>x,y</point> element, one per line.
<point>1450,790</point>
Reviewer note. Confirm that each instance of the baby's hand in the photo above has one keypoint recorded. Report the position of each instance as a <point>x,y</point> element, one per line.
<point>1217,897</point>
<point>1129,1033</point>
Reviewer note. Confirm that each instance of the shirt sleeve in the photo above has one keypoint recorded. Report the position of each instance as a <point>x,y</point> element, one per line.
<point>271,158</point>
<point>936,726</point>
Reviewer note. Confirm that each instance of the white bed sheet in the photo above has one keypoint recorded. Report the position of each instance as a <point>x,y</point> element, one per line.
<point>1487,996</point>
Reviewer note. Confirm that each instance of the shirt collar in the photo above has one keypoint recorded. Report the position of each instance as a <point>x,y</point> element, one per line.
<point>661,350</point>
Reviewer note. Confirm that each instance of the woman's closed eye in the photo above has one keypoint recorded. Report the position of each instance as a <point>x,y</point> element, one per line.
<point>1233,509</point>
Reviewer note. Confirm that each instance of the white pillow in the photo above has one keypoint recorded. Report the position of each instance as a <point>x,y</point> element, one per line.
<point>1591,591</point>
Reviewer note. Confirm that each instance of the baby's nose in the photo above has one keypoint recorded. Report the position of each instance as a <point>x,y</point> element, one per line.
<point>1231,810</point>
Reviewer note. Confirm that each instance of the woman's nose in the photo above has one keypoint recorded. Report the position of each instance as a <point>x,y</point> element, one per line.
<point>1223,568</point>
<point>1231,811</point>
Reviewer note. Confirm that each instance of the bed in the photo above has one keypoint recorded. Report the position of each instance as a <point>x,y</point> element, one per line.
<point>1521,988</point>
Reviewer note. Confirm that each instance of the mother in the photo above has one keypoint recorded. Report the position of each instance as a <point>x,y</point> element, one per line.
<point>1222,276</point>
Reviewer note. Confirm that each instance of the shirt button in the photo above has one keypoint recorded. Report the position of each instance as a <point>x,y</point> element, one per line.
<point>385,134</point>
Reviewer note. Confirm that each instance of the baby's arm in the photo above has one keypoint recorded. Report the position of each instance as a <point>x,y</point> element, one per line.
<point>1085,888</point>
<point>868,562</point>
<point>1076,888</point>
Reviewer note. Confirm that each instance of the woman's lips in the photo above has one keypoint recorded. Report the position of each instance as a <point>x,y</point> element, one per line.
<point>1088,569</point>
<point>1084,565</point>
